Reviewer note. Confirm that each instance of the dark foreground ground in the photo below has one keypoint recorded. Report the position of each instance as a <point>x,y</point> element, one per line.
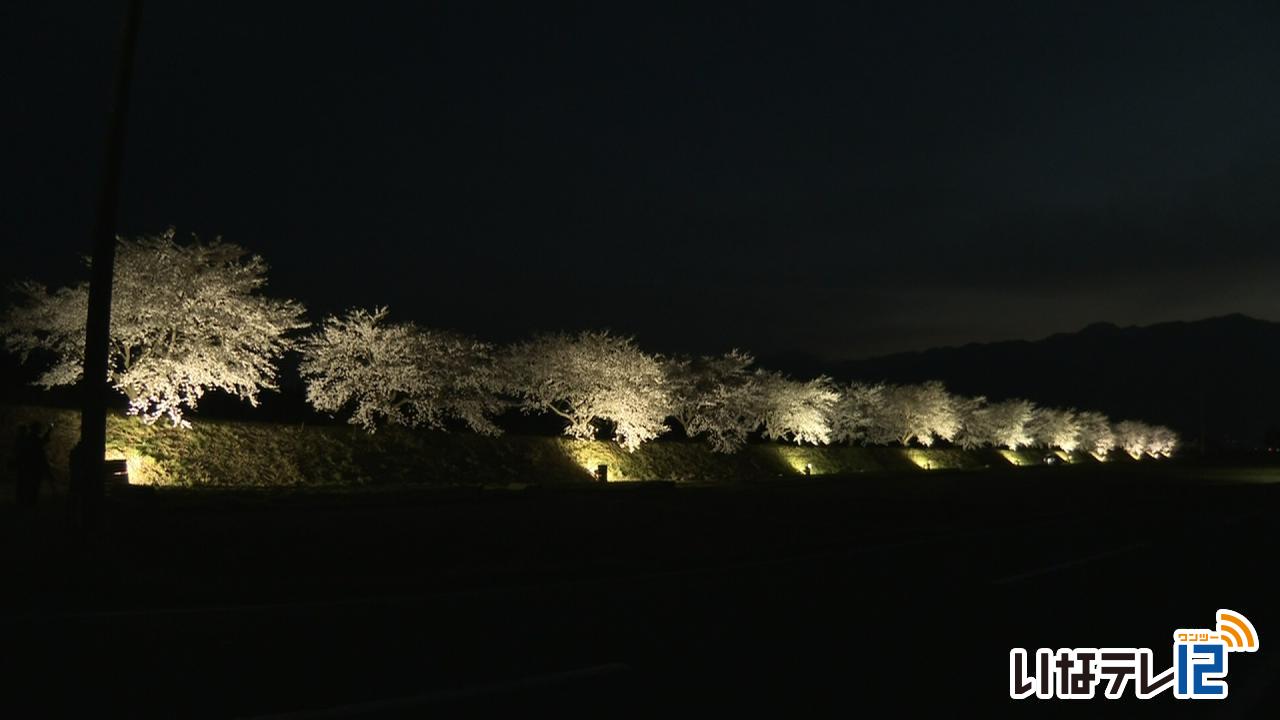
<point>883,596</point>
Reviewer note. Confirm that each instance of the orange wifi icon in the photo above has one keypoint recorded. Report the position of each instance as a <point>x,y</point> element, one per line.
<point>1237,632</point>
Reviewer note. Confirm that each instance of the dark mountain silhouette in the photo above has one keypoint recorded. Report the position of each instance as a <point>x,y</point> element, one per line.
<point>1214,380</point>
<point>796,363</point>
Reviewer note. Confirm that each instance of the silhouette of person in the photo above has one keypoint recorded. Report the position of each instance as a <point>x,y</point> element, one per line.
<point>31,463</point>
<point>17,462</point>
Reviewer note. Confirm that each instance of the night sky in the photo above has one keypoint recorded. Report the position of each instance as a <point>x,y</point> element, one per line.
<point>834,178</point>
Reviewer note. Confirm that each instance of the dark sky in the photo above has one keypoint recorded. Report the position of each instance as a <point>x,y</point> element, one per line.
<point>837,178</point>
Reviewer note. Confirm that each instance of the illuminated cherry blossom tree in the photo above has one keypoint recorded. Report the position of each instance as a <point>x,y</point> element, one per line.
<point>975,430</point>
<point>1161,441</point>
<point>855,412</point>
<point>1133,437</point>
<point>594,380</point>
<point>1095,434</point>
<point>399,373</point>
<point>721,398</point>
<point>796,410</point>
<point>1054,428</point>
<point>186,318</point>
<point>923,413</point>
<point>1008,422</point>
<point>991,424</point>
<point>715,396</point>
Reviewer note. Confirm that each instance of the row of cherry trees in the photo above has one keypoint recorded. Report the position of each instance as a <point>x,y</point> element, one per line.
<point>382,372</point>
<point>190,318</point>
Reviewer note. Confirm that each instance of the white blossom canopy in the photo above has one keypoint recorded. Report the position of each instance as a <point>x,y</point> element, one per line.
<point>399,373</point>
<point>855,412</point>
<point>796,410</point>
<point>185,319</point>
<point>1095,435</point>
<point>591,379</point>
<point>1055,428</point>
<point>1138,439</point>
<point>716,397</point>
<point>1009,421</point>
<point>923,413</point>
<point>1133,437</point>
<point>1161,441</point>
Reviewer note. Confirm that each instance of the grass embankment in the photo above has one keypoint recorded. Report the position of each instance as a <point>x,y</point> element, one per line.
<point>248,454</point>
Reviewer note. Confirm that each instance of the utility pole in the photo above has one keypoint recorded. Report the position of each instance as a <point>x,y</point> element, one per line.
<point>87,466</point>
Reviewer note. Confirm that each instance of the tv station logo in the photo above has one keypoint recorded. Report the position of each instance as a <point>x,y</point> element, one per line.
<point>1199,669</point>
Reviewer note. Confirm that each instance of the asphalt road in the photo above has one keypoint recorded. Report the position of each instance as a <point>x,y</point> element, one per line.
<point>882,596</point>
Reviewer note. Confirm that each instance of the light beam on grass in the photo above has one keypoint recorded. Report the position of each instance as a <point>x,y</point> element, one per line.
<point>143,469</point>
<point>798,458</point>
<point>922,459</point>
<point>590,454</point>
<point>1013,457</point>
